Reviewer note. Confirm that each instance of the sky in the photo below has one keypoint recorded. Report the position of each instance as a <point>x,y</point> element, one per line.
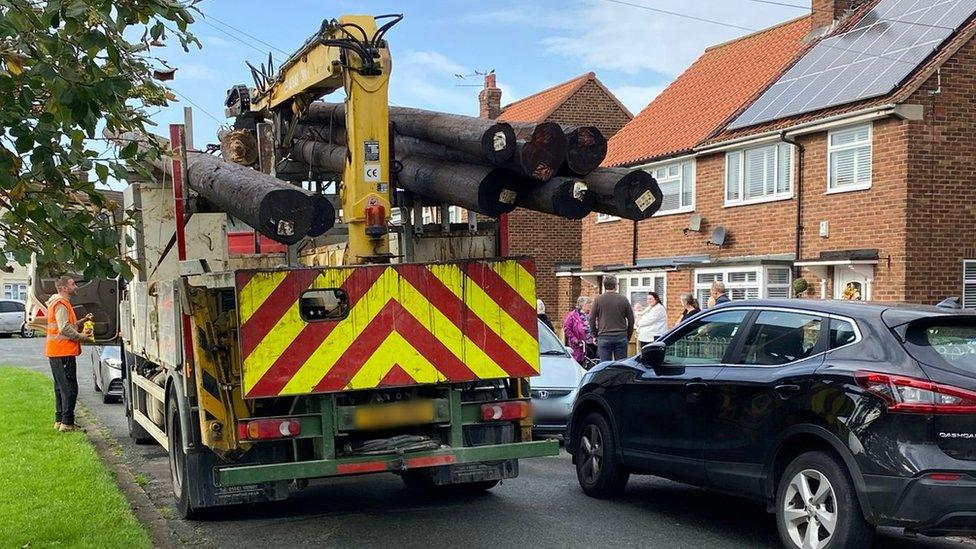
<point>531,45</point>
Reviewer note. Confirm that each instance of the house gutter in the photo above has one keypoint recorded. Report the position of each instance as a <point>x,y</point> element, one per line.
<point>799,195</point>
<point>811,126</point>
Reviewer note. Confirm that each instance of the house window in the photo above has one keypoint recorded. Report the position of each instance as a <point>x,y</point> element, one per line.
<point>744,282</point>
<point>15,291</point>
<point>969,284</point>
<point>849,159</point>
<point>603,218</point>
<point>760,174</point>
<point>677,182</point>
<point>636,286</point>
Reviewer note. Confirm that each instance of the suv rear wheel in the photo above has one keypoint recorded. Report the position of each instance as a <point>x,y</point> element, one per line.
<point>817,507</point>
<point>599,473</point>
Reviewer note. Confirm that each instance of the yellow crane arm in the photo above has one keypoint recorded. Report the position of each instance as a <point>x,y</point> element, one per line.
<point>349,52</point>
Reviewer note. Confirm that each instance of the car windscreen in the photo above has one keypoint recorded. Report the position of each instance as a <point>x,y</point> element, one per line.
<point>111,351</point>
<point>945,343</point>
<point>548,343</point>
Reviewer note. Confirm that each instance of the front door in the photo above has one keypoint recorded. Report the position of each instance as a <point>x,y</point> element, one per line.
<point>663,428</point>
<point>766,386</point>
<point>850,284</point>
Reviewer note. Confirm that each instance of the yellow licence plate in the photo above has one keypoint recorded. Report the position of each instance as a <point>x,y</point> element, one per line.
<point>386,416</point>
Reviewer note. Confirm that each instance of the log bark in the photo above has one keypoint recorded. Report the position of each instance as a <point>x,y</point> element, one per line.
<point>480,188</point>
<point>493,141</point>
<point>567,197</point>
<point>628,194</point>
<point>540,155</point>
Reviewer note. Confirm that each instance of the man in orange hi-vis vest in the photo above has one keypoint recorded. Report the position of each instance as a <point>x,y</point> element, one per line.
<point>62,346</point>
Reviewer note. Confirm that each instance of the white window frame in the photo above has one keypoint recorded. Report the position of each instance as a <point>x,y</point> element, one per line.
<point>682,184</point>
<point>761,284</point>
<point>15,290</point>
<point>831,149</point>
<point>969,283</point>
<point>628,287</point>
<point>606,218</point>
<point>776,195</point>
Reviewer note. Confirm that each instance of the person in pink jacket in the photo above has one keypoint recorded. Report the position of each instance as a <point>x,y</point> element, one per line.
<point>576,331</point>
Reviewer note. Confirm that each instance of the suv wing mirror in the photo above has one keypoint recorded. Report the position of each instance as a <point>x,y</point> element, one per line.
<point>652,354</point>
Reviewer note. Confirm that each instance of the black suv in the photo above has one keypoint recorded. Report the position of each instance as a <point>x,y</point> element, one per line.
<point>840,415</point>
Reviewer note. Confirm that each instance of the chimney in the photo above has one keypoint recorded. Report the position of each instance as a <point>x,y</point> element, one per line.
<point>827,12</point>
<point>490,98</point>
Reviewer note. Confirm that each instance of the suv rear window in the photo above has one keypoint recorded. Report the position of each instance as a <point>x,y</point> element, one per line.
<point>945,344</point>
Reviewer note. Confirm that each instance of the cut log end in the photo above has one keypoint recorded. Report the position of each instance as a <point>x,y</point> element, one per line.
<point>586,148</point>
<point>285,215</point>
<point>498,143</point>
<point>541,155</point>
<point>496,194</point>
<point>324,216</point>
<point>567,197</point>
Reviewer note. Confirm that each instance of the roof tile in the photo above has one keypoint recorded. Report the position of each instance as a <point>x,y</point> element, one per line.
<point>538,106</point>
<point>714,88</point>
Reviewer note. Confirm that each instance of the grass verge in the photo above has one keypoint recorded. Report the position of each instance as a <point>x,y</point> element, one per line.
<point>53,488</point>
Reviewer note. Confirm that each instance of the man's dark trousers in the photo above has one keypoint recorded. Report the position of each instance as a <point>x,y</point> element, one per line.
<point>65,372</point>
<point>611,347</point>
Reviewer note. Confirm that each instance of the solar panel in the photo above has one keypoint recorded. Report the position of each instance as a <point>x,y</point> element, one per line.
<point>867,61</point>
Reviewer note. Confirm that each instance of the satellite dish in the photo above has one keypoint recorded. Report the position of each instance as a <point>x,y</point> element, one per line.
<point>694,224</point>
<point>718,236</point>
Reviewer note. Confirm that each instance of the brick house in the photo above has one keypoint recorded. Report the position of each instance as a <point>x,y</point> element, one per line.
<point>868,196</point>
<point>554,242</point>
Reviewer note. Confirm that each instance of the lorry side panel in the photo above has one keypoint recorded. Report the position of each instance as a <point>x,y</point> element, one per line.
<point>388,326</point>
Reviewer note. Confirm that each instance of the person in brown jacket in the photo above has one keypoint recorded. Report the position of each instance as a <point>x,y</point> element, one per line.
<point>612,321</point>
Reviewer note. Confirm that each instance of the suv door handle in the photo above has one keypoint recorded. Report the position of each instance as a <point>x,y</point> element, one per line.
<point>787,390</point>
<point>696,387</point>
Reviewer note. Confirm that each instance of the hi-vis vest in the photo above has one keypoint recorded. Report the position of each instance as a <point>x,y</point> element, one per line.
<point>57,345</point>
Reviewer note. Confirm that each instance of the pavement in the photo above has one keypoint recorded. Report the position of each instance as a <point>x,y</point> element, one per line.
<point>544,507</point>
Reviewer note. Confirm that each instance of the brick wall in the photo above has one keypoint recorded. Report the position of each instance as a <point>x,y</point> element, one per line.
<point>873,218</point>
<point>591,106</point>
<point>942,175</point>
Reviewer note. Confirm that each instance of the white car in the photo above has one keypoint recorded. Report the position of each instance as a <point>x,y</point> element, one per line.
<point>13,319</point>
<point>107,372</point>
<point>554,390</point>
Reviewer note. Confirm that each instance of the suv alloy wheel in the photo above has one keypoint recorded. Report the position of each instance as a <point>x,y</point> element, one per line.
<point>817,507</point>
<point>599,473</point>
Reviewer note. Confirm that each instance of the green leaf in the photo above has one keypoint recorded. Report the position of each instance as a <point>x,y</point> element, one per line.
<point>102,171</point>
<point>129,150</point>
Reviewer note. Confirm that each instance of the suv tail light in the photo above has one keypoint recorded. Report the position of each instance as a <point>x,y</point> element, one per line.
<point>917,396</point>
<point>266,429</point>
<point>502,411</point>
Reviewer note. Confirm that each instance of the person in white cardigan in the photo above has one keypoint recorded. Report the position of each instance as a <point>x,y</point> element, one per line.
<point>653,322</point>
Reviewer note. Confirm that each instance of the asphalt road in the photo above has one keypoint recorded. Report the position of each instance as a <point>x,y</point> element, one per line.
<point>544,507</point>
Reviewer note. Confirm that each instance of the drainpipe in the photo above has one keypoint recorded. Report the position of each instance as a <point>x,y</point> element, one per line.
<point>633,259</point>
<point>799,197</point>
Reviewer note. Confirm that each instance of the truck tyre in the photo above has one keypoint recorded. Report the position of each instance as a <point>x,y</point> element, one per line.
<point>817,506</point>
<point>178,463</point>
<point>137,433</point>
<point>599,472</point>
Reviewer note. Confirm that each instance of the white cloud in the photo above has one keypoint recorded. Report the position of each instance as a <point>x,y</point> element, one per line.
<point>196,72</point>
<point>425,79</point>
<point>602,35</point>
<point>636,97</point>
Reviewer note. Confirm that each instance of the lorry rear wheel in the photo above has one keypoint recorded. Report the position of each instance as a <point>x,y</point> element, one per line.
<point>177,464</point>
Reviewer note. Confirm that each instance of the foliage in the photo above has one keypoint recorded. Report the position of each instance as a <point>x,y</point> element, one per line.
<point>800,285</point>
<point>53,488</point>
<point>70,68</point>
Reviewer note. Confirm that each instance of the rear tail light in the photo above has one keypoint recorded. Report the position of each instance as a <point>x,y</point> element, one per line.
<point>917,396</point>
<point>944,477</point>
<point>505,411</point>
<point>268,429</point>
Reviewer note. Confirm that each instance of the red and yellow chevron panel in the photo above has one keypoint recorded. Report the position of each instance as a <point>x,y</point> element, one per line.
<point>407,324</point>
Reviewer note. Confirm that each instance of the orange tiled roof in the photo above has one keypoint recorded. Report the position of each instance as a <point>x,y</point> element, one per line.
<point>538,106</point>
<point>713,89</point>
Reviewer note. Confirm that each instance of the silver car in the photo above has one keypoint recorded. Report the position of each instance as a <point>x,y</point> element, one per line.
<point>12,318</point>
<point>107,372</point>
<point>554,390</point>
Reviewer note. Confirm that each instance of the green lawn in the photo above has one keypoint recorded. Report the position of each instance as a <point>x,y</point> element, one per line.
<point>54,491</point>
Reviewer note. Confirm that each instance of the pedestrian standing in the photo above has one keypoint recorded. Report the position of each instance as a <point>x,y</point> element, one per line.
<point>717,295</point>
<point>540,311</point>
<point>653,323</point>
<point>62,346</point>
<point>612,321</point>
<point>576,330</point>
<point>690,306</point>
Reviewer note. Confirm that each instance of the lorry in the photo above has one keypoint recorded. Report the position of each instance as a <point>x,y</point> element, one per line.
<point>259,371</point>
